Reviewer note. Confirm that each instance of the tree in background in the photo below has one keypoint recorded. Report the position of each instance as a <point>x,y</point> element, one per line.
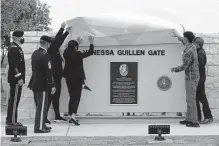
<point>26,15</point>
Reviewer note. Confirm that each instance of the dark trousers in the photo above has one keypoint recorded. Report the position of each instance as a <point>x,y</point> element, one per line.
<point>54,99</point>
<point>13,102</point>
<point>41,100</point>
<point>201,98</point>
<point>74,89</point>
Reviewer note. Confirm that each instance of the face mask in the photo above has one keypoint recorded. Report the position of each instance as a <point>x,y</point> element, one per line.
<point>22,40</point>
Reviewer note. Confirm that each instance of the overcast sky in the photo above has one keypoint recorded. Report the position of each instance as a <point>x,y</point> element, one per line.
<point>196,15</point>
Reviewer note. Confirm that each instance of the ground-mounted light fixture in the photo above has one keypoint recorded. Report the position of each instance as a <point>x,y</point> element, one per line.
<point>16,130</point>
<point>159,129</point>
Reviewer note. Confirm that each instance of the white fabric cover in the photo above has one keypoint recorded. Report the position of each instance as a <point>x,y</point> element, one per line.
<point>117,29</point>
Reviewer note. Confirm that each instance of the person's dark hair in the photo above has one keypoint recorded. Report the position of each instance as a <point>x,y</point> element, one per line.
<point>72,44</point>
<point>189,35</point>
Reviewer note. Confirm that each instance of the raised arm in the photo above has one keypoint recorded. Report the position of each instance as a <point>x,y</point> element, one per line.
<point>91,49</point>
<point>56,43</point>
<point>62,38</point>
<point>179,38</point>
<point>60,32</point>
<point>89,52</point>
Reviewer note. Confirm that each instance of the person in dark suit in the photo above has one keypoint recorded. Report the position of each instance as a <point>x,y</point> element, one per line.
<point>16,76</point>
<point>57,70</point>
<point>200,92</point>
<point>75,75</point>
<point>41,82</point>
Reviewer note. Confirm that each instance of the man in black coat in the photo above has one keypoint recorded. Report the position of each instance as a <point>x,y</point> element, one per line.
<point>200,92</point>
<point>16,76</point>
<point>75,75</point>
<point>41,82</point>
<point>57,70</point>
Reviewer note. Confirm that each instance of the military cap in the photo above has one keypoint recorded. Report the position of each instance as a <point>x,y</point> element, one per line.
<point>18,33</point>
<point>46,38</point>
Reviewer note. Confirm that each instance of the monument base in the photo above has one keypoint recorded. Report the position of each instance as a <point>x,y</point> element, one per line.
<point>127,119</point>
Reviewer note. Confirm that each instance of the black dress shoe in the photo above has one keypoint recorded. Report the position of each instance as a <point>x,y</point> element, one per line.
<point>47,127</point>
<point>193,125</point>
<point>47,121</point>
<point>42,131</point>
<point>74,121</point>
<point>184,122</point>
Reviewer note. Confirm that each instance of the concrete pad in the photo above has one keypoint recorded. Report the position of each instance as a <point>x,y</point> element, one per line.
<point>24,112</point>
<point>166,141</point>
<point>209,129</point>
<point>26,103</point>
<point>139,130</point>
<point>52,143</point>
<point>8,142</point>
<point>109,130</point>
<point>66,129</point>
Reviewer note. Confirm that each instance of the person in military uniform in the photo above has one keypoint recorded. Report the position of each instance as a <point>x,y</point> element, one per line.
<point>57,70</point>
<point>16,76</point>
<point>41,82</point>
<point>75,75</point>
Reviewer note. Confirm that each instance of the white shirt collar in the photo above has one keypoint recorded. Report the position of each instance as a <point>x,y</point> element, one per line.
<point>43,48</point>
